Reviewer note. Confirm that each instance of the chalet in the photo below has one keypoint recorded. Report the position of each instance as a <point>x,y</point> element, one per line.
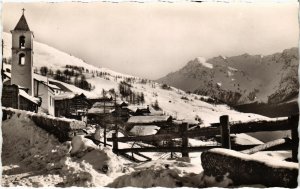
<point>70,105</point>
<point>147,120</point>
<point>109,110</point>
<point>102,107</point>
<point>16,97</point>
<point>100,111</point>
<point>121,111</point>
<point>106,98</point>
<point>138,110</point>
<point>160,121</point>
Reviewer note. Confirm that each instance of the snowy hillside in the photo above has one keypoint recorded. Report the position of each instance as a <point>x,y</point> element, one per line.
<point>45,55</point>
<point>241,79</point>
<point>172,101</point>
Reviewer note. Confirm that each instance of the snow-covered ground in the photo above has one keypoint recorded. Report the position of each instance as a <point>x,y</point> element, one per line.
<point>32,157</point>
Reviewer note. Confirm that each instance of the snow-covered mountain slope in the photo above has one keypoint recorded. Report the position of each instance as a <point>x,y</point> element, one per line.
<point>172,101</point>
<point>241,79</point>
<point>45,55</point>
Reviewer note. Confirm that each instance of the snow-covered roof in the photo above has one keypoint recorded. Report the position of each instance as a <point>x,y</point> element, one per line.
<point>142,130</point>
<point>189,121</point>
<point>54,86</point>
<point>100,110</point>
<point>40,78</point>
<point>102,104</point>
<point>7,74</point>
<point>119,102</point>
<point>63,96</point>
<point>69,87</point>
<point>148,119</point>
<point>28,97</point>
<point>134,108</point>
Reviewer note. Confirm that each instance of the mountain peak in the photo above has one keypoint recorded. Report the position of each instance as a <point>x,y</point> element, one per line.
<point>244,77</point>
<point>202,61</point>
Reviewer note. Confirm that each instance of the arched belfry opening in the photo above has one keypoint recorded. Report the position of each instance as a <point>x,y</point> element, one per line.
<point>22,59</point>
<point>22,42</point>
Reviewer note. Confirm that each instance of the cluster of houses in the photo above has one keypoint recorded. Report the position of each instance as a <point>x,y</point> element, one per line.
<point>23,89</point>
<point>26,90</point>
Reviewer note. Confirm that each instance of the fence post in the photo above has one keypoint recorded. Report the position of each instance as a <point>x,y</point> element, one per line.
<point>185,140</point>
<point>104,135</point>
<point>115,143</point>
<point>294,119</point>
<point>225,131</point>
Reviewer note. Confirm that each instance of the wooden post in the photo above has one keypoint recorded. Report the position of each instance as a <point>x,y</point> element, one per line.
<point>171,144</point>
<point>104,134</point>
<point>185,140</point>
<point>115,143</point>
<point>294,119</point>
<point>225,131</point>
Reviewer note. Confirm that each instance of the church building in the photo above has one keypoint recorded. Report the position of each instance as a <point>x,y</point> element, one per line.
<point>22,56</point>
<point>22,89</point>
<point>26,90</point>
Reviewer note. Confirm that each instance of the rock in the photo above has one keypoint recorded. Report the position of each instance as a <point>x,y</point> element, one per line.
<point>243,169</point>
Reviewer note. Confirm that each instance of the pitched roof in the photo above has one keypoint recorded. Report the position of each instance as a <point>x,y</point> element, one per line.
<point>148,119</point>
<point>22,24</point>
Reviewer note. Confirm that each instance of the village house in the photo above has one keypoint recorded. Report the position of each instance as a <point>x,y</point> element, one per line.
<point>69,105</point>
<point>16,97</point>
<point>108,109</point>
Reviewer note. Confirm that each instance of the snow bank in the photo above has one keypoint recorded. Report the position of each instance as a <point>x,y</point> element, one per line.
<point>39,159</point>
<point>163,173</point>
<point>29,148</point>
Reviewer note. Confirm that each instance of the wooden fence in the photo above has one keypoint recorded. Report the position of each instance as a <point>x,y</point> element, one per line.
<point>223,129</point>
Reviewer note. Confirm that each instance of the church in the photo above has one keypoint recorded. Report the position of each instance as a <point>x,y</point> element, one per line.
<point>23,89</point>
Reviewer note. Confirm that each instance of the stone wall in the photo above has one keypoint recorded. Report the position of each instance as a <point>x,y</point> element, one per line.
<point>245,169</point>
<point>62,128</point>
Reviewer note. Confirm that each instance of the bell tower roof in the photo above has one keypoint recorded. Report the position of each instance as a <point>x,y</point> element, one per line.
<point>22,24</point>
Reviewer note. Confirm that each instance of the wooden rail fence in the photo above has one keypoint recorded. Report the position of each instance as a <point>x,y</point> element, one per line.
<point>223,129</point>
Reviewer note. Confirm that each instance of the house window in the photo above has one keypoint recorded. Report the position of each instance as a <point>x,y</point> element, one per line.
<point>22,42</point>
<point>22,59</point>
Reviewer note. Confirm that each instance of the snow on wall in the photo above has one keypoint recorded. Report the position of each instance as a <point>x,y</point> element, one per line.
<point>62,128</point>
<point>250,169</point>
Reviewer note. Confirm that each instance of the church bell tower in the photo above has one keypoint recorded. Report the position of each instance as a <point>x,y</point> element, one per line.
<point>22,55</point>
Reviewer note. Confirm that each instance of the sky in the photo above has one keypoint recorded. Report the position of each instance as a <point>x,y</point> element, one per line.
<point>152,39</point>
